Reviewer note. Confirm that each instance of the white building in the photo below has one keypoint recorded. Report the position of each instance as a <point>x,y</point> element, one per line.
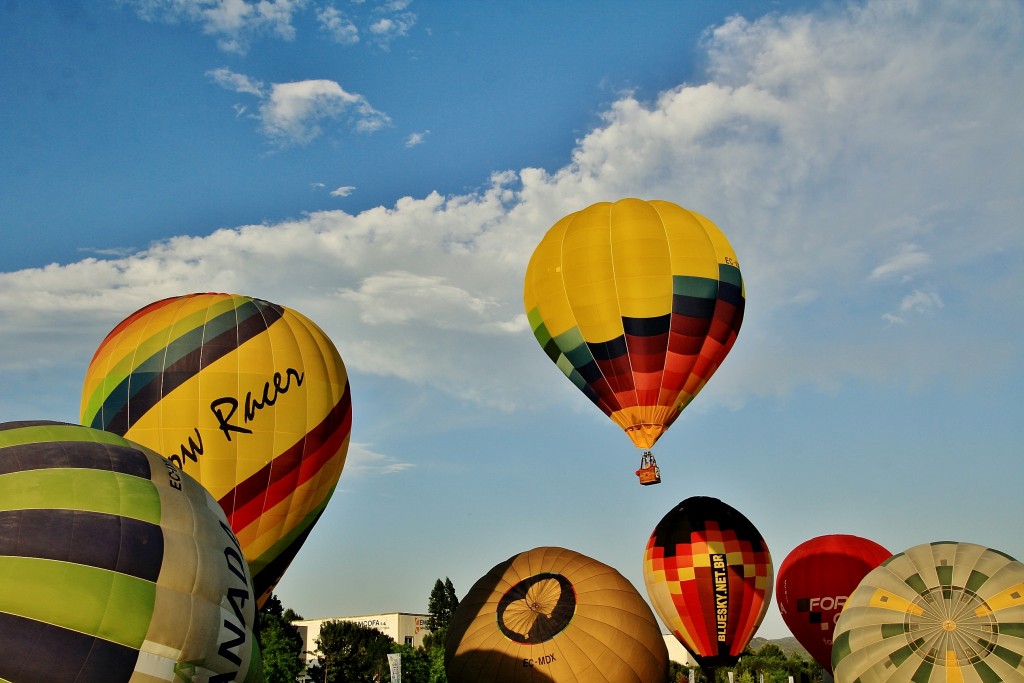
<point>403,628</point>
<point>676,651</point>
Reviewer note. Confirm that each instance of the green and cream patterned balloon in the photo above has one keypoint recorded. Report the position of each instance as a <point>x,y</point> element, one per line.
<point>939,612</point>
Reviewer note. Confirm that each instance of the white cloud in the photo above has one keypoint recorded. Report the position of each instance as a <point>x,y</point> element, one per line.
<point>339,27</point>
<point>416,138</point>
<point>921,302</point>
<point>906,260</point>
<point>295,113</point>
<point>234,23</point>
<point>343,191</point>
<point>235,82</point>
<point>362,460</point>
<point>395,23</point>
<point>237,24</point>
<point>402,298</point>
<point>826,146</point>
<point>917,302</point>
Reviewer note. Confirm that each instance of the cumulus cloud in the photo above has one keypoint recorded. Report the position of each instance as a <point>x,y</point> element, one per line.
<point>296,113</point>
<point>343,191</point>
<point>237,24</point>
<point>402,298</point>
<point>293,113</point>
<point>852,141</point>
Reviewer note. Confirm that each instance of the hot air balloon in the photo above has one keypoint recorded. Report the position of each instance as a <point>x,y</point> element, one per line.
<point>552,614</point>
<point>709,577</point>
<point>937,612</point>
<point>249,397</point>
<point>115,565</point>
<point>638,303</point>
<point>815,581</point>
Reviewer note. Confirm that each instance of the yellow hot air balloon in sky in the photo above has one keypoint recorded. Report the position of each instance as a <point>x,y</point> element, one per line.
<point>638,303</point>
<point>249,397</point>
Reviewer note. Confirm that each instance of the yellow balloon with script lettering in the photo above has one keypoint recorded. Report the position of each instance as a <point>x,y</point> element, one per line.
<point>249,397</point>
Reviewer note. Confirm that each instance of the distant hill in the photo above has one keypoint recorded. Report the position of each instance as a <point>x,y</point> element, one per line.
<point>789,645</point>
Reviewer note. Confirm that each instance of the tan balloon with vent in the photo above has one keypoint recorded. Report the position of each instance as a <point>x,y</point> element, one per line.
<point>551,614</point>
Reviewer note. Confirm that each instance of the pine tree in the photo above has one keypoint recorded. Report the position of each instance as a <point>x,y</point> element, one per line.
<point>437,607</point>
<point>451,600</point>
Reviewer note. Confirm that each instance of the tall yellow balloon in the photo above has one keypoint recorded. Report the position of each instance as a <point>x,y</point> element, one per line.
<point>249,397</point>
<point>638,303</point>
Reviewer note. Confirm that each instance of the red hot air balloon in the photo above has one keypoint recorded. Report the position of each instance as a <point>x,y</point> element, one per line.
<point>814,582</point>
<point>709,576</point>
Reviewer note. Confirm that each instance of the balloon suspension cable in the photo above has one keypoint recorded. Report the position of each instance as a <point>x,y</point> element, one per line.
<point>649,472</point>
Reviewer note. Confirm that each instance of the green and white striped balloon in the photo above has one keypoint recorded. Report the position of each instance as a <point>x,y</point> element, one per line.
<point>115,565</point>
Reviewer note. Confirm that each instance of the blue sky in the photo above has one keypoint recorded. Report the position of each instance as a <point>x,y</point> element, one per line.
<point>387,169</point>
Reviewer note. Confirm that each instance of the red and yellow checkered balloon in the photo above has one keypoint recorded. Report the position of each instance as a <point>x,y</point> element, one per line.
<point>709,577</point>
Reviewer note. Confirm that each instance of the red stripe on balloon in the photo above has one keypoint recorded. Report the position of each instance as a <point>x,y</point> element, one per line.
<point>145,310</point>
<point>298,464</point>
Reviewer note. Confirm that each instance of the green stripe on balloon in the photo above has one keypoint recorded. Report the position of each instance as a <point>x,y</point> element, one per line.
<point>108,605</point>
<point>181,359</point>
<point>697,287</point>
<point>82,489</point>
<point>46,432</point>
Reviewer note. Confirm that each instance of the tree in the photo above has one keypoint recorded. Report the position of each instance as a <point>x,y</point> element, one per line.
<point>351,653</point>
<point>441,605</point>
<point>437,672</point>
<point>415,664</point>
<point>451,599</point>
<point>771,662</point>
<point>280,642</point>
